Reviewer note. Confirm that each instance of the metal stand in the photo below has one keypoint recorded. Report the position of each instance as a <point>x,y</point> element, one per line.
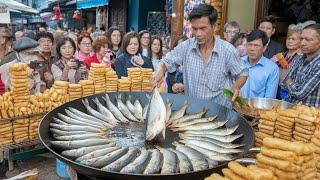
<point>20,151</point>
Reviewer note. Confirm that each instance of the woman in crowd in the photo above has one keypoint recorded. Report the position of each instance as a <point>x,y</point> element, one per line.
<point>130,56</point>
<point>155,50</point>
<point>84,46</point>
<point>100,46</point>
<point>239,41</point>
<point>155,55</point>
<point>73,36</point>
<point>144,37</point>
<point>115,36</point>
<point>293,43</point>
<point>286,59</point>
<point>67,68</point>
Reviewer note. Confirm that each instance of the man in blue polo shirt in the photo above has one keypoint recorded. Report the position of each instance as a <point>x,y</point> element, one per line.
<point>263,73</point>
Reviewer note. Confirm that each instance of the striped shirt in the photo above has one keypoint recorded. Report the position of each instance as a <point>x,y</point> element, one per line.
<point>205,81</point>
<point>305,85</point>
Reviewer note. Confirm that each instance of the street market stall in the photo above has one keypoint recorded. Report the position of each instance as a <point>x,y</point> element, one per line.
<point>84,107</point>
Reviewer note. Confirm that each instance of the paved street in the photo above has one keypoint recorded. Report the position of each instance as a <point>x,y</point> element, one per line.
<point>44,164</point>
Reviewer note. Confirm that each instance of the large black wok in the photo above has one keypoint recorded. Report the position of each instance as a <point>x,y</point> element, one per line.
<point>178,100</point>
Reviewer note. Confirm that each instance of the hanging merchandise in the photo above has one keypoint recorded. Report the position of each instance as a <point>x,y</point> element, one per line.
<point>188,7</point>
<point>57,14</point>
<point>102,18</point>
<point>76,15</point>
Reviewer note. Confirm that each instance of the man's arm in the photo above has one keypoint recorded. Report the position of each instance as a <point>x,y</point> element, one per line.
<point>158,74</point>
<point>169,62</point>
<point>301,90</point>
<point>240,81</point>
<point>237,69</point>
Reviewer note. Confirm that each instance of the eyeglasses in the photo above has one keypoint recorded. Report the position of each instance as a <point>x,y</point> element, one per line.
<point>86,44</point>
<point>232,32</point>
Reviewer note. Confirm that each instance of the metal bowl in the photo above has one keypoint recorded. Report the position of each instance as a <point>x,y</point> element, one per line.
<point>268,103</point>
<point>261,104</point>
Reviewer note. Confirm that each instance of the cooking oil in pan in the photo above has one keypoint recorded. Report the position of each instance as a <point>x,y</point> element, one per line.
<point>134,134</point>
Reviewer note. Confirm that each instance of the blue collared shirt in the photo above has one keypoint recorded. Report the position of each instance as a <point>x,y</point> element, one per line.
<point>263,79</point>
<point>205,81</point>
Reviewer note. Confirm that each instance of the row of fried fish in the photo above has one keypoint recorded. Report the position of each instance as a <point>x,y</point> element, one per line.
<point>83,139</point>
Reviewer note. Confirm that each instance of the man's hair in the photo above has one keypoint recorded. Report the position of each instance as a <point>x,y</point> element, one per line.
<point>315,27</point>
<point>204,10</point>
<point>258,34</point>
<point>44,35</point>
<point>233,24</point>
<point>269,19</point>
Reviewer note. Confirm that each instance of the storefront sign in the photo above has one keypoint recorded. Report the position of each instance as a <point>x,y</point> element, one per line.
<point>4,14</point>
<point>85,4</point>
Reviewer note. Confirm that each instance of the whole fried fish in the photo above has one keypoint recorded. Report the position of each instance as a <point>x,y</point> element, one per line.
<point>75,153</point>
<point>138,165</point>
<point>155,162</point>
<point>122,161</point>
<point>156,122</point>
<point>170,161</point>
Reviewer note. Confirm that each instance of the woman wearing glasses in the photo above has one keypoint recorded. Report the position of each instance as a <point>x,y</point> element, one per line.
<point>84,47</point>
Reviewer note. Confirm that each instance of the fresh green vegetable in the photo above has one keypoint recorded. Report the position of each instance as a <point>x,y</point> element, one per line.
<point>229,94</point>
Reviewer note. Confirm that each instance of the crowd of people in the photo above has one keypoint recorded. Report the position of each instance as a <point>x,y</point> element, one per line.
<point>251,64</point>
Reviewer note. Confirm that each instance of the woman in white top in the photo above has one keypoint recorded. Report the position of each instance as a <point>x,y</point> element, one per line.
<point>155,50</point>
<point>144,38</point>
<point>115,35</point>
<point>155,55</point>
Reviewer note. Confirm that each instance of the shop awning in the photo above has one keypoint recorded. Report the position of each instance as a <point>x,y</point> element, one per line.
<point>71,2</point>
<point>18,6</point>
<point>13,10</point>
<point>85,4</point>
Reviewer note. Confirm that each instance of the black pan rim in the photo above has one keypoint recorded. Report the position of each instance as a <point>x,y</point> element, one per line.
<point>110,173</point>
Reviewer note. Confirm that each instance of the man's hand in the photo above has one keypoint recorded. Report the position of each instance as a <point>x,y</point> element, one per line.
<point>236,93</point>
<point>241,80</point>
<point>177,87</point>
<point>158,75</point>
<point>156,79</point>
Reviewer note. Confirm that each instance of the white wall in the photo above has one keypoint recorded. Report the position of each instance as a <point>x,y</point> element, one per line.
<point>242,11</point>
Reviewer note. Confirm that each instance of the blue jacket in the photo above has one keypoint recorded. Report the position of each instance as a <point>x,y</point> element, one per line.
<point>123,62</point>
